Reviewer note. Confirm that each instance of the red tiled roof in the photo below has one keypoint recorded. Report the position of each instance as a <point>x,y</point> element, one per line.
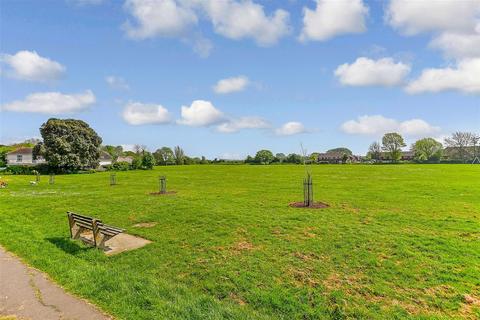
<point>21,151</point>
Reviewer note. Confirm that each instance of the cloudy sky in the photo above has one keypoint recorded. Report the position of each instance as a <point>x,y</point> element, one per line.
<point>224,78</point>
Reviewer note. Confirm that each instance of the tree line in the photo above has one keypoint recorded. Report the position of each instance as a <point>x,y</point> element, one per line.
<point>70,145</point>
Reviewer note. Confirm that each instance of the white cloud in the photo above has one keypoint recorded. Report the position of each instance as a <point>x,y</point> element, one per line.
<point>463,77</point>
<point>457,45</point>
<point>230,85</point>
<point>162,18</point>
<point>246,19</point>
<point>136,113</point>
<point>332,18</point>
<point>117,83</point>
<point>378,124</point>
<point>52,103</point>
<point>232,19</point>
<point>291,128</point>
<point>200,114</point>
<point>367,72</point>
<point>413,17</point>
<point>243,123</point>
<point>28,65</point>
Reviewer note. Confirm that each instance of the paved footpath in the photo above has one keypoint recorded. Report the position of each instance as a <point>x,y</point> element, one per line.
<point>28,294</point>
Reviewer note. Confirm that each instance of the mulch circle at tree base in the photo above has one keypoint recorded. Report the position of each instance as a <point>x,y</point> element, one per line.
<point>162,193</point>
<point>315,205</point>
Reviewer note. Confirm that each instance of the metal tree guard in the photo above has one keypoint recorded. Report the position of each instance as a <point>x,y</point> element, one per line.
<point>113,179</point>
<point>163,184</point>
<point>37,177</point>
<point>51,180</point>
<point>308,191</point>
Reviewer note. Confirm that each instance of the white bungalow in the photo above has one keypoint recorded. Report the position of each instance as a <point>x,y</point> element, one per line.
<point>23,157</point>
<point>105,159</point>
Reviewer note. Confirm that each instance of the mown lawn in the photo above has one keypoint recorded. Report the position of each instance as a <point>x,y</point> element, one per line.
<point>398,241</point>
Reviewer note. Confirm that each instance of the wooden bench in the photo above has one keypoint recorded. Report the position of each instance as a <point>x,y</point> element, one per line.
<point>101,232</point>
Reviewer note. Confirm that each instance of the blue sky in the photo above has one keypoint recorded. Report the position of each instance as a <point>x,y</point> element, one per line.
<point>322,73</point>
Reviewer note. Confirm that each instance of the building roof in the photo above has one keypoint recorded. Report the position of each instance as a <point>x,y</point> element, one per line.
<point>105,155</point>
<point>24,150</point>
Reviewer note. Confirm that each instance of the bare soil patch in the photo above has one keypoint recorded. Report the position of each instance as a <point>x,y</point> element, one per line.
<point>145,224</point>
<point>315,205</point>
<point>162,193</point>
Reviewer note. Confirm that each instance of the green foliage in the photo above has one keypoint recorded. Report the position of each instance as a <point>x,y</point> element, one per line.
<point>427,150</point>
<point>264,157</point>
<point>392,144</point>
<point>179,155</point>
<point>120,166</point>
<point>343,150</point>
<point>136,163</point>
<point>164,156</point>
<point>148,161</point>
<point>70,144</point>
<point>375,151</point>
<point>280,157</point>
<point>113,151</point>
<point>294,158</point>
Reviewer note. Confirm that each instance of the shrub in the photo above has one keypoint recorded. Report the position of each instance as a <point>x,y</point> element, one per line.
<point>120,166</point>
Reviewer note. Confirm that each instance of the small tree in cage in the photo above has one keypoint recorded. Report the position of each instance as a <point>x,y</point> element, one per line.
<point>307,180</point>
<point>113,179</point>
<point>163,184</point>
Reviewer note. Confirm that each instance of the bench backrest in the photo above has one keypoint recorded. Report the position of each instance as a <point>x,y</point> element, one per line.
<point>108,230</point>
<point>82,221</point>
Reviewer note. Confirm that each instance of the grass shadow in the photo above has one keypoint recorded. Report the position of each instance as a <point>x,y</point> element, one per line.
<point>68,245</point>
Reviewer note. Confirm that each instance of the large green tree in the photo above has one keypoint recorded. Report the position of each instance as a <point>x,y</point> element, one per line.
<point>427,150</point>
<point>375,151</point>
<point>392,144</point>
<point>164,156</point>
<point>70,144</point>
<point>179,155</point>
<point>264,157</point>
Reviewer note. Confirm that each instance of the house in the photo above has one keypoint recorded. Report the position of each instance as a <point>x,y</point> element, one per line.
<point>125,159</point>
<point>23,157</point>
<point>336,157</point>
<point>105,159</point>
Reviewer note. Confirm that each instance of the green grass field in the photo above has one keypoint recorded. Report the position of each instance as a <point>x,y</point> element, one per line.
<point>399,241</point>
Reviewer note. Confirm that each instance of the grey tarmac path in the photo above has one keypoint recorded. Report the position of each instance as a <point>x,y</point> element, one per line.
<point>27,293</point>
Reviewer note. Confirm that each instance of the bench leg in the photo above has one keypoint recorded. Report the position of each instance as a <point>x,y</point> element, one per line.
<point>101,243</point>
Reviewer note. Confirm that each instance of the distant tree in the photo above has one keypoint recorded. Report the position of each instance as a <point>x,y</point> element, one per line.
<point>129,154</point>
<point>392,144</point>
<point>264,157</point>
<point>343,150</point>
<point>375,151</point>
<point>203,160</point>
<point>294,158</point>
<point>113,151</point>
<point>38,150</point>
<point>427,150</point>
<point>249,159</point>
<point>70,144</point>
<point>164,156</point>
<point>314,157</point>
<point>475,141</point>
<point>459,143</point>
<point>148,161</point>
<point>136,162</point>
<point>280,157</point>
<point>179,155</point>
<point>139,148</point>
